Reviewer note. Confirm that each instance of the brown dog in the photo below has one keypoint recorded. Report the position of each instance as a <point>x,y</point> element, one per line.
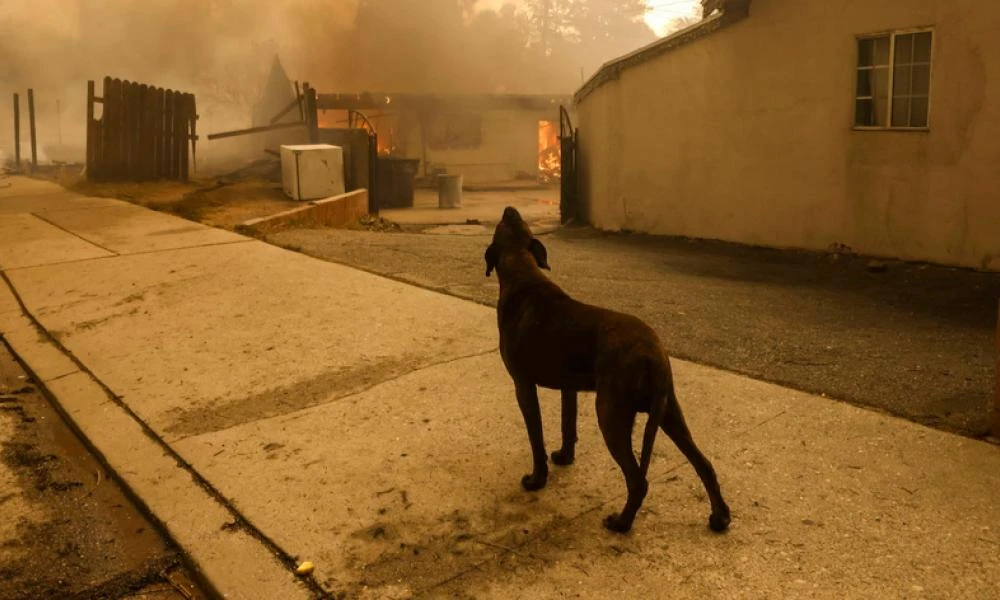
<point>548,339</point>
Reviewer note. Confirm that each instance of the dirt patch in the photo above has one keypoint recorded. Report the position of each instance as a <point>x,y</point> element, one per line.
<point>220,201</point>
<point>221,413</point>
<point>69,530</point>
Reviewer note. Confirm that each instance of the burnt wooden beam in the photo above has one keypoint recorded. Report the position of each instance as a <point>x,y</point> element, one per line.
<point>291,105</point>
<point>252,130</point>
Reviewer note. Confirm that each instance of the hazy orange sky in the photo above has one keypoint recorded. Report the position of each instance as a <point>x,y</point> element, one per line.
<point>660,18</point>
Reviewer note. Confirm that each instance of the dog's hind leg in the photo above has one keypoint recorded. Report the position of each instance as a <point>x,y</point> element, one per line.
<point>675,427</point>
<point>527,400</point>
<point>565,455</point>
<point>616,426</point>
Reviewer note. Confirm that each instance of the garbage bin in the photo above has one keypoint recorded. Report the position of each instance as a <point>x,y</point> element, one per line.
<point>394,181</point>
<point>449,190</point>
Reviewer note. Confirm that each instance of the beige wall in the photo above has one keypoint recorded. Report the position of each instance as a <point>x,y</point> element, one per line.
<point>746,135</point>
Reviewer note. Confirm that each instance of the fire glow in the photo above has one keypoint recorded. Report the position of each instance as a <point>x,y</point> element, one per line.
<point>549,152</point>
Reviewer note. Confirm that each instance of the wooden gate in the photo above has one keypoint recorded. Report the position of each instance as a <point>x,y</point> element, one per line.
<point>143,132</point>
<point>569,199</point>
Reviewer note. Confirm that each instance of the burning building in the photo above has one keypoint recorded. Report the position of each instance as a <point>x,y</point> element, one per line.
<point>488,137</point>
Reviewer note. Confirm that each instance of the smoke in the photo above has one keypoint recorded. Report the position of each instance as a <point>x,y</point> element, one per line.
<point>221,50</point>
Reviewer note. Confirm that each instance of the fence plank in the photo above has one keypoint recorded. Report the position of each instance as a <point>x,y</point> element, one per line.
<point>185,128</point>
<point>125,131</point>
<point>109,137</point>
<point>158,135</point>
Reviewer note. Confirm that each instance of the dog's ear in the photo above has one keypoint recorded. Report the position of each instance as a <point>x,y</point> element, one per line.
<point>492,257</point>
<point>541,255</point>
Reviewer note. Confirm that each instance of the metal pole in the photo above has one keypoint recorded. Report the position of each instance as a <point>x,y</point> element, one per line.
<point>31,126</point>
<point>17,133</point>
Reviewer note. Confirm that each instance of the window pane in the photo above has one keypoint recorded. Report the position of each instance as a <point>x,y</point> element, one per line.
<point>904,49</point>
<point>879,82</point>
<point>880,111</point>
<point>866,52</point>
<point>864,82</point>
<point>901,112</point>
<point>863,113</point>
<point>901,80</point>
<point>882,51</point>
<point>922,47</point>
<point>918,112</point>
<point>921,80</point>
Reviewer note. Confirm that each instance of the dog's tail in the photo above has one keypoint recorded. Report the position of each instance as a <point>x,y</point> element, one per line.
<point>656,410</point>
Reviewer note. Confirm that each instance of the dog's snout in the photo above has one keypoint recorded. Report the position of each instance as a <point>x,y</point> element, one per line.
<point>510,214</point>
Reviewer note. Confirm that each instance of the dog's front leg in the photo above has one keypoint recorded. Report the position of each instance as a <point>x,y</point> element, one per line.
<point>527,400</point>
<point>565,455</point>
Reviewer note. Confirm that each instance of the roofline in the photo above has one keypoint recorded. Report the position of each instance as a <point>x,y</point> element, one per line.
<point>733,11</point>
<point>360,100</point>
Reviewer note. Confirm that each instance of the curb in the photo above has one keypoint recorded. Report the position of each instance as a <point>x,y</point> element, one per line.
<point>230,557</point>
<point>335,211</point>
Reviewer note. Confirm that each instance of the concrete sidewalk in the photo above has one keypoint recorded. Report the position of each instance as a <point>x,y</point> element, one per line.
<point>268,408</point>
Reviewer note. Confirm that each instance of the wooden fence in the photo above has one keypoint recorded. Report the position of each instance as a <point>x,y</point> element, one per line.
<point>143,132</point>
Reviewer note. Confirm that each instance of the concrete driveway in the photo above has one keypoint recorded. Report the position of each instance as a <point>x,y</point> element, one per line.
<point>269,408</point>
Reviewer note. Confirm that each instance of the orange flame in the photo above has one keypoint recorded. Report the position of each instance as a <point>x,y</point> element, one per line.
<point>549,152</point>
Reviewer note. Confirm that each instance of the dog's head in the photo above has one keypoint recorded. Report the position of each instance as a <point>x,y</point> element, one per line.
<point>512,234</point>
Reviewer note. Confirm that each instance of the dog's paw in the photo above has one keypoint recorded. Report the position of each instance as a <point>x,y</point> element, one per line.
<point>533,482</point>
<point>719,522</point>
<point>617,524</point>
<point>563,458</point>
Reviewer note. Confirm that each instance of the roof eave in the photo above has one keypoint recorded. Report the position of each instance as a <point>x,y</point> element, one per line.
<point>733,11</point>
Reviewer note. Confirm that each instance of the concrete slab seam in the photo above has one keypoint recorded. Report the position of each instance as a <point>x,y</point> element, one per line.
<point>389,276</point>
<point>239,520</point>
<point>72,233</point>
<point>121,254</point>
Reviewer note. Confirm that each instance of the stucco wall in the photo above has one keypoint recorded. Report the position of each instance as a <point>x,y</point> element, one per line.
<point>746,135</point>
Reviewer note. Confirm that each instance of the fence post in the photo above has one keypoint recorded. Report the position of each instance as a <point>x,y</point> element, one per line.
<point>996,385</point>
<point>17,133</point>
<point>31,126</point>
<point>91,138</point>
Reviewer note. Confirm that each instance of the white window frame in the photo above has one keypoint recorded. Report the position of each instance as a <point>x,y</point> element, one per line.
<point>892,71</point>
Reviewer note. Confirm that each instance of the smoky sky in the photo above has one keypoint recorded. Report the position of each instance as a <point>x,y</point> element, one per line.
<point>221,50</point>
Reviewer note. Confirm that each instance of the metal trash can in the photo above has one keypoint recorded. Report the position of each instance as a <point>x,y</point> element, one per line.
<point>449,190</point>
<point>394,181</point>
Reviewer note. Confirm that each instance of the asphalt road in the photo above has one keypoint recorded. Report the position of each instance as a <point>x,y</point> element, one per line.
<point>914,340</point>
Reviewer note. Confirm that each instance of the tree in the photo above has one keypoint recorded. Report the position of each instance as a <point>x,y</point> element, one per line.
<point>613,27</point>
